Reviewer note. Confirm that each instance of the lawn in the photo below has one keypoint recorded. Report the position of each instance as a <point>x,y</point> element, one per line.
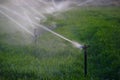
<point>53,58</point>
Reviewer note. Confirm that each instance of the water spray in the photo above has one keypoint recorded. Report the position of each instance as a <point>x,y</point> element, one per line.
<point>77,45</point>
<point>30,8</point>
<point>20,25</point>
<point>85,2</point>
<point>31,11</point>
<point>54,4</point>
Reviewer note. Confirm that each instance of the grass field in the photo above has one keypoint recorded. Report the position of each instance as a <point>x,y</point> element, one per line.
<point>55,59</point>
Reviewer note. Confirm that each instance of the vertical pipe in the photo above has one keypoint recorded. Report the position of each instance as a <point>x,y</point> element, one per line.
<point>35,36</point>
<point>85,59</point>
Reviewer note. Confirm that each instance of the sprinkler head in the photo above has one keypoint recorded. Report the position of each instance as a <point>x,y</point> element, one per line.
<point>85,46</point>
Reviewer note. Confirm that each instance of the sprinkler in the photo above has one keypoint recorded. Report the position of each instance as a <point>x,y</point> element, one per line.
<point>35,35</point>
<point>85,47</point>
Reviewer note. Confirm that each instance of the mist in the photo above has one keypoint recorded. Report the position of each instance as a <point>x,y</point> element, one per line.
<point>26,15</point>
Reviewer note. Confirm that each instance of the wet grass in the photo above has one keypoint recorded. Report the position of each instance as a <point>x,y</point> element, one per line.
<point>55,59</point>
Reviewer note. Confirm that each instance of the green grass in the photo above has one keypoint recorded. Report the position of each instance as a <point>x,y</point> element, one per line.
<point>56,59</point>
